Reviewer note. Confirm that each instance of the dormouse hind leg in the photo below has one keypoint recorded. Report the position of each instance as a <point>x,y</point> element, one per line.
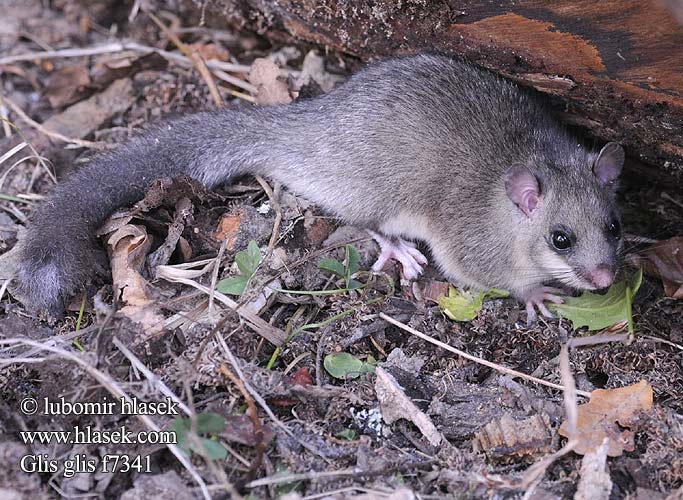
<point>401,250</point>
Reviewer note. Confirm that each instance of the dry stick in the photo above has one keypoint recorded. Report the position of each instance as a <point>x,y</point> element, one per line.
<point>197,61</point>
<point>260,447</point>
<point>122,47</point>
<point>214,277</point>
<point>534,474</point>
<point>481,361</point>
<point>278,214</point>
<point>289,478</point>
<point>114,388</point>
<point>153,378</point>
<point>51,133</point>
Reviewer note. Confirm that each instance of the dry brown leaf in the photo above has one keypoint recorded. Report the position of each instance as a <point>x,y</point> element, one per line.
<point>395,404</point>
<point>663,259</point>
<point>605,413</point>
<point>67,85</point>
<point>209,51</point>
<point>265,75</point>
<point>508,437</point>
<point>128,247</point>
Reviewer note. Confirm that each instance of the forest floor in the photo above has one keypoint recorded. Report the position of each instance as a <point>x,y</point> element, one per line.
<point>278,362</point>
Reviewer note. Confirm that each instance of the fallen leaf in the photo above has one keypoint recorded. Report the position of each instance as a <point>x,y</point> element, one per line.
<point>664,260</point>
<point>128,247</point>
<point>240,429</point>
<point>209,51</point>
<point>604,416</point>
<point>67,85</point>
<point>507,437</point>
<point>465,305</point>
<point>601,311</point>
<point>265,75</point>
<point>395,405</point>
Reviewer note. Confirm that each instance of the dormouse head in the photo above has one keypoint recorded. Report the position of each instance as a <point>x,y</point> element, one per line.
<point>570,212</point>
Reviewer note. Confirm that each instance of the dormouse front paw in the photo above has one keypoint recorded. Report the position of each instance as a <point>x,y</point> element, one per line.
<point>535,299</point>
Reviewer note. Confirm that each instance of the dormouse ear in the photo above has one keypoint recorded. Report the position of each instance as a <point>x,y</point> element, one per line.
<point>609,163</point>
<point>521,186</point>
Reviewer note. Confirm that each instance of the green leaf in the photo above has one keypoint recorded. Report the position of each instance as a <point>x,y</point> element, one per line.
<point>181,428</point>
<point>213,449</point>
<point>461,305</point>
<point>331,265</point>
<point>354,284</point>
<point>351,261</point>
<point>348,434</point>
<point>601,311</point>
<point>234,285</point>
<point>465,305</point>
<point>210,423</point>
<point>249,259</point>
<point>343,365</point>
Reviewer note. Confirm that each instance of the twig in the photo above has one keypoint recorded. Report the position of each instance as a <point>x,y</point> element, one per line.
<point>154,379</point>
<point>260,447</point>
<point>112,48</point>
<point>278,214</point>
<point>306,476</point>
<point>500,368</point>
<point>534,474</point>
<point>197,61</point>
<point>214,277</point>
<point>50,133</point>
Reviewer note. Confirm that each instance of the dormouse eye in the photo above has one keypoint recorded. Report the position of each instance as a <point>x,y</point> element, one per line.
<point>614,229</point>
<point>561,240</point>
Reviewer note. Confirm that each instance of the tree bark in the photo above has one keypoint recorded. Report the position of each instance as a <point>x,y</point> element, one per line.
<point>616,65</point>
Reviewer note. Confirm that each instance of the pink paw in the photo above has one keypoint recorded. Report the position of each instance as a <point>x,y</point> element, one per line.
<point>535,300</point>
<point>403,251</point>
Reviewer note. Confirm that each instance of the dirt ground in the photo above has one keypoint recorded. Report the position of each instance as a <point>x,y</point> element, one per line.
<point>253,386</point>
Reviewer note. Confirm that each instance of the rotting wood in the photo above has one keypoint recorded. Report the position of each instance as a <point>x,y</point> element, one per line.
<point>616,64</point>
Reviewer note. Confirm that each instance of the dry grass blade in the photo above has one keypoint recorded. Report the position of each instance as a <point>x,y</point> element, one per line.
<point>197,61</point>
<point>50,133</point>
<point>181,274</point>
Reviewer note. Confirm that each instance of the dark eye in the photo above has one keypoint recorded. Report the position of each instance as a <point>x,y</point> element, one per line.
<point>614,229</point>
<point>561,240</point>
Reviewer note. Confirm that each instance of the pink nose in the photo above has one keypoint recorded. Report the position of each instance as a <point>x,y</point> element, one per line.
<point>601,276</point>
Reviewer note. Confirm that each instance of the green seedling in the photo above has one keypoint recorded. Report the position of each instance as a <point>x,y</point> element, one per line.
<point>207,424</point>
<point>247,262</point>
<point>347,269</point>
<point>343,365</point>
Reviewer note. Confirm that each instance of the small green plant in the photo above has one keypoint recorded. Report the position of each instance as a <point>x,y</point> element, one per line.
<point>343,365</point>
<point>347,434</point>
<point>347,269</point>
<point>208,424</point>
<point>247,262</point>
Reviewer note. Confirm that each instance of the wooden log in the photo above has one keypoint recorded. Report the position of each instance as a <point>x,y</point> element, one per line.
<point>616,65</point>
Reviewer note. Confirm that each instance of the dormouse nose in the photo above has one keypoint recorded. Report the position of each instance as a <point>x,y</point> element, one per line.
<point>602,276</point>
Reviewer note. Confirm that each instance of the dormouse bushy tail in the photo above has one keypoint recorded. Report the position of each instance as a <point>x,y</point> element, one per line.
<point>58,250</point>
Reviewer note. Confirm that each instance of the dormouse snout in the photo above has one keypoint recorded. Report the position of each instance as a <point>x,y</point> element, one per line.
<point>601,276</point>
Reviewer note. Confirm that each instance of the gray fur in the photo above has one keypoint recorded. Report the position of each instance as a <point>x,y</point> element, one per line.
<point>415,146</point>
